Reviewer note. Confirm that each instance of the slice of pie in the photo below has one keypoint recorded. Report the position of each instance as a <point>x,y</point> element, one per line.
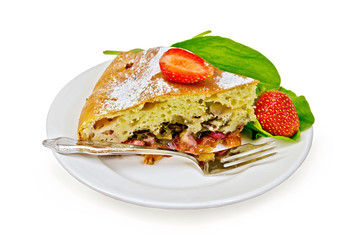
<point>134,103</point>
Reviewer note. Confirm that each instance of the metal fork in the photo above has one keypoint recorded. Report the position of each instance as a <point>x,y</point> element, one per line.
<point>225,160</point>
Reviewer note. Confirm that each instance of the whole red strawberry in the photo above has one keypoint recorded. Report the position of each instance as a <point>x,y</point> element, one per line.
<point>277,114</point>
<point>181,66</point>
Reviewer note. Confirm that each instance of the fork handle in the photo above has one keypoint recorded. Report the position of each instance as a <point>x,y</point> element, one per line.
<point>65,145</point>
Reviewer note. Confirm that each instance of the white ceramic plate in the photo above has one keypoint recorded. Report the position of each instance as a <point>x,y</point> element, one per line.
<point>170,183</point>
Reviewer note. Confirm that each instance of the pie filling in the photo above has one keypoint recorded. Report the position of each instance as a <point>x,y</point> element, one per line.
<point>176,136</point>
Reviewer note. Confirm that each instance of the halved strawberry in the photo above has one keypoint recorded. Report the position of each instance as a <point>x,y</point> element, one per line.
<point>277,114</point>
<point>181,66</point>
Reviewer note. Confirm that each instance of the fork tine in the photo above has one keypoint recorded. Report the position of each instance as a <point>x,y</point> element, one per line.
<point>236,161</point>
<point>243,155</point>
<point>247,163</point>
<point>216,167</point>
<point>248,147</point>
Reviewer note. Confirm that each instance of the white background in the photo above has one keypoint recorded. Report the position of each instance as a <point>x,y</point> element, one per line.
<point>316,47</point>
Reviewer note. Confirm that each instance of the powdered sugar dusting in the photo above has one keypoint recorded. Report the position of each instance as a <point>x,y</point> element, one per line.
<point>229,80</point>
<point>140,85</point>
<point>140,80</point>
